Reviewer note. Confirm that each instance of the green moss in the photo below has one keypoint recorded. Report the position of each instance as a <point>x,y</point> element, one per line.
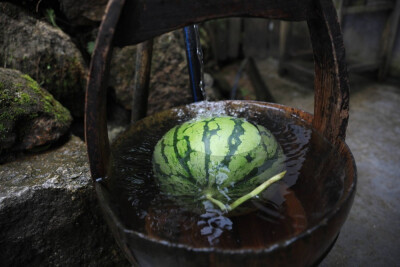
<point>25,98</point>
<point>54,107</point>
<point>63,79</point>
<point>11,115</point>
<point>7,98</point>
<point>5,115</point>
<point>50,105</point>
<point>4,96</point>
<point>17,103</point>
<point>33,84</point>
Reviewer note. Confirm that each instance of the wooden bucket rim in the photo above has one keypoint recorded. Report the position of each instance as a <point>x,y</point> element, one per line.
<point>344,201</point>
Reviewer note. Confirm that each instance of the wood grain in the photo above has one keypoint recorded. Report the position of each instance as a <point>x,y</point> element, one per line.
<point>140,90</point>
<point>331,102</point>
<point>142,20</point>
<point>95,110</point>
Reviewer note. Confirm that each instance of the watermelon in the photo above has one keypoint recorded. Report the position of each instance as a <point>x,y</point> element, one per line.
<point>226,160</point>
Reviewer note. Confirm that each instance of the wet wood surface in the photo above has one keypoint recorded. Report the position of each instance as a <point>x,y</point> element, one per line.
<point>331,101</point>
<point>95,110</point>
<point>142,20</point>
<point>140,90</point>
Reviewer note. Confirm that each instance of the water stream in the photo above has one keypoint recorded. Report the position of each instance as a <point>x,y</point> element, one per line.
<point>194,55</point>
<point>200,58</point>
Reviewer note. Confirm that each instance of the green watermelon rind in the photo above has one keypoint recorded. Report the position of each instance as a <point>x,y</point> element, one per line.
<point>181,171</point>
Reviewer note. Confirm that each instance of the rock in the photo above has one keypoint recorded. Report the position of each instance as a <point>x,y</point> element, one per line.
<point>29,116</point>
<point>167,96</point>
<point>211,91</point>
<point>168,78</point>
<point>169,50</point>
<point>44,52</point>
<point>49,215</point>
<point>84,13</point>
<point>122,72</point>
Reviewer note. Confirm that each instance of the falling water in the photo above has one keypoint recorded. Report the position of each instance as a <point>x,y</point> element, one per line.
<point>194,55</point>
<point>199,52</point>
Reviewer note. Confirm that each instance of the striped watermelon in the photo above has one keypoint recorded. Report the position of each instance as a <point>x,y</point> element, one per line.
<point>220,158</point>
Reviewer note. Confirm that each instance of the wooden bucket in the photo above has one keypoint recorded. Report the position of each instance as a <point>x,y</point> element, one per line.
<point>136,21</point>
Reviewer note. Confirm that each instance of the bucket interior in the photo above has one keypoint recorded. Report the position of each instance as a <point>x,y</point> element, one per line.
<point>154,229</point>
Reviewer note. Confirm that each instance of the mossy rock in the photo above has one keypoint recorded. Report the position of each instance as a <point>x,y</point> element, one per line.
<point>45,53</point>
<point>29,116</point>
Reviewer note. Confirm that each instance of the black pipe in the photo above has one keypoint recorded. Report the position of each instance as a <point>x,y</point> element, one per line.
<point>193,62</point>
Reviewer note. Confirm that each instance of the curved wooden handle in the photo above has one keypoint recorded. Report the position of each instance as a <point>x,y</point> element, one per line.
<point>95,110</point>
<point>331,101</point>
<point>147,17</point>
<point>143,20</point>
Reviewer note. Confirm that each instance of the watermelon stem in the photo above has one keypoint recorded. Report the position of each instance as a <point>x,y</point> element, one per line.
<point>246,197</point>
<point>221,205</point>
<point>256,191</point>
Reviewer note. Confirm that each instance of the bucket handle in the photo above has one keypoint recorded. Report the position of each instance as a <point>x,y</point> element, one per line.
<point>331,102</point>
